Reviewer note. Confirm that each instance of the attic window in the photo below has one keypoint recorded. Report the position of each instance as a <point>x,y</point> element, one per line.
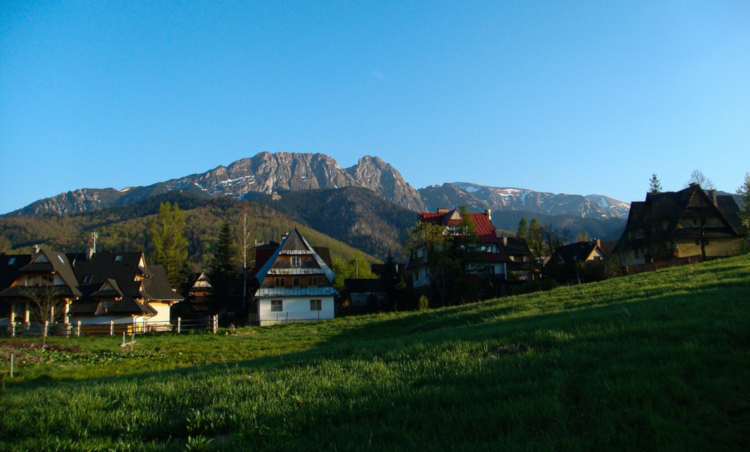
<point>295,261</point>
<point>118,259</point>
<point>12,261</point>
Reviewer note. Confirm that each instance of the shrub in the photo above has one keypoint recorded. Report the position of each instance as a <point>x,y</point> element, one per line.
<point>424,303</point>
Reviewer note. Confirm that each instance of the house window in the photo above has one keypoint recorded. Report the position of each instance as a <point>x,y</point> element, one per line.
<point>295,261</point>
<point>316,305</point>
<point>87,279</point>
<point>277,305</point>
<point>12,261</point>
<point>118,259</point>
<point>105,305</point>
<point>296,282</point>
<point>279,282</point>
<point>312,282</point>
<point>697,242</point>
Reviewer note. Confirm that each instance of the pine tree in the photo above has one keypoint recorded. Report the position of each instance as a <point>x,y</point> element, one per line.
<point>522,228</point>
<point>654,185</point>
<point>167,232</point>
<point>222,269</point>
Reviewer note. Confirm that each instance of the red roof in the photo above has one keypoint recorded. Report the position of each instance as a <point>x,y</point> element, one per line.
<point>482,224</point>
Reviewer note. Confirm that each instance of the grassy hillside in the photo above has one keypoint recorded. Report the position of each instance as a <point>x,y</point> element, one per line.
<point>652,361</point>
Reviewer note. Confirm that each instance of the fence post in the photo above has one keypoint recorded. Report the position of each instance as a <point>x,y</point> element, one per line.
<point>179,324</point>
<point>12,329</point>
<point>111,327</point>
<point>78,329</point>
<point>215,324</point>
<point>12,361</point>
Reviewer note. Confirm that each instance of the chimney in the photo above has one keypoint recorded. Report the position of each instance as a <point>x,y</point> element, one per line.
<point>90,253</point>
<point>442,210</point>
<point>488,212</point>
<point>36,250</point>
<point>505,241</point>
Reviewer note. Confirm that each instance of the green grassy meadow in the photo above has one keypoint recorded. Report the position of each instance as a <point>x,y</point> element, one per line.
<point>657,361</point>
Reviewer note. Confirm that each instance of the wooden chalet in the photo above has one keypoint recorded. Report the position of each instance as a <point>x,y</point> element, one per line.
<point>93,288</point>
<point>295,282</point>
<point>689,222</point>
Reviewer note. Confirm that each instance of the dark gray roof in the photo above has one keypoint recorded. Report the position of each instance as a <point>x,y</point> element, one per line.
<point>10,268</point>
<point>669,208</point>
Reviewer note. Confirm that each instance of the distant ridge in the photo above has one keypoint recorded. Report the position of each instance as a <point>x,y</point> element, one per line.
<point>267,173</point>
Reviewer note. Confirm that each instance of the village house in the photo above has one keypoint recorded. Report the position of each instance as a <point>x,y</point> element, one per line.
<point>295,282</point>
<point>581,253</point>
<point>92,288</point>
<point>689,222</point>
<point>520,265</point>
<point>492,265</point>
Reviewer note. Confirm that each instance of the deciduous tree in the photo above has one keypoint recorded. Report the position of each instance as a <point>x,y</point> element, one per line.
<point>744,192</point>
<point>167,232</point>
<point>697,177</point>
<point>47,303</point>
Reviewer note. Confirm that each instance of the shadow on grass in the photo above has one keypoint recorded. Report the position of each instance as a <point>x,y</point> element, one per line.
<point>590,370</point>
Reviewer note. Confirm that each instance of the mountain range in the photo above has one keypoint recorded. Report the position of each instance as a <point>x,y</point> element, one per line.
<point>269,174</point>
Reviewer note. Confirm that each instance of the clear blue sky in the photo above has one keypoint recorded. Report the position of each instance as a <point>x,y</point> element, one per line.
<point>576,97</point>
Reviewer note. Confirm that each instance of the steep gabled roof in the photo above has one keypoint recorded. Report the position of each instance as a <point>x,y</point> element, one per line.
<point>132,278</point>
<point>10,268</point>
<point>668,208</point>
<point>577,252</point>
<point>108,289</point>
<point>157,287</point>
<point>48,261</point>
<point>294,244</point>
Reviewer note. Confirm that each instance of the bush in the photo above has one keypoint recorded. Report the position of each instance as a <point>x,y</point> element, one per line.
<point>424,303</point>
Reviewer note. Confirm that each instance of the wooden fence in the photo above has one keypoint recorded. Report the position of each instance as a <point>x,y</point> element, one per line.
<point>209,324</point>
<point>658,265</point>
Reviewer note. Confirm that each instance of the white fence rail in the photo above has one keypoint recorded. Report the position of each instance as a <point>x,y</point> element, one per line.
<point>209,324</point>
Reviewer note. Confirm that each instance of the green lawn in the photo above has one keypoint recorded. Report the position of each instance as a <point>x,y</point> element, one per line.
<point>653,361</point>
